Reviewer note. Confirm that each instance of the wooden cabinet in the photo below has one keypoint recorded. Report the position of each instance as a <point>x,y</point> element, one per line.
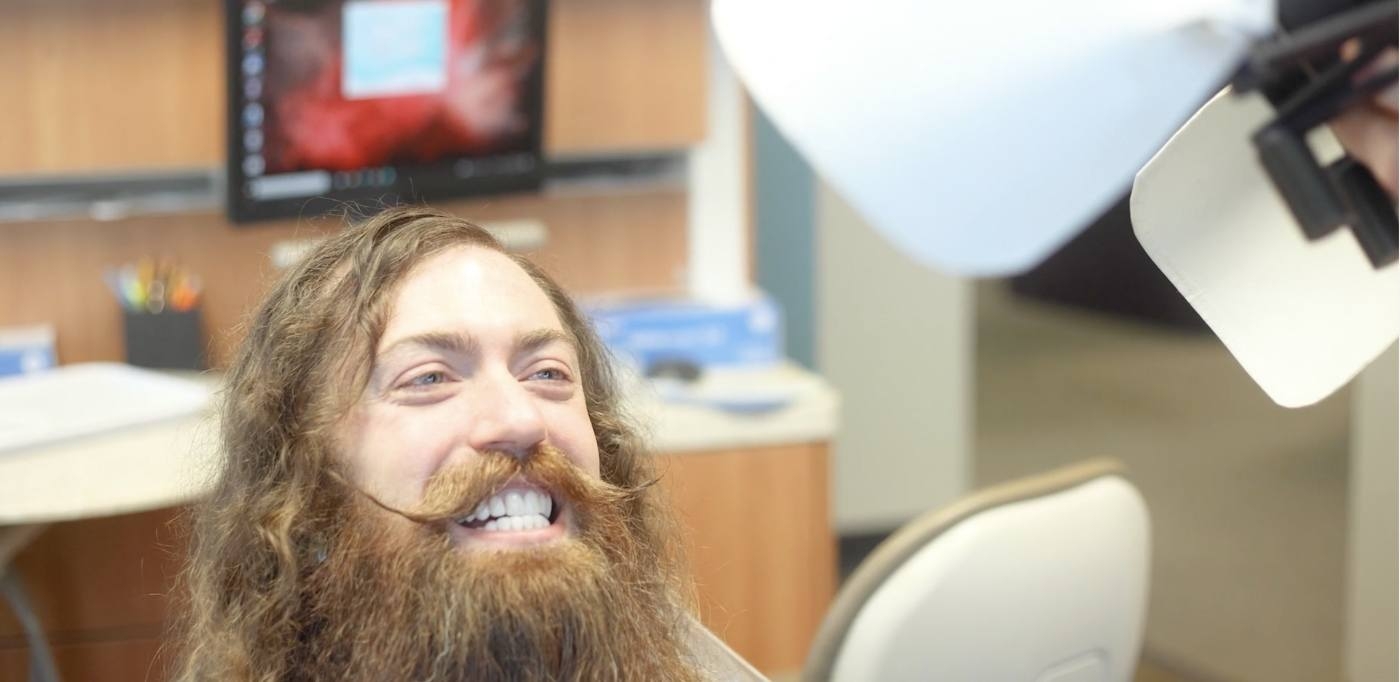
<point>99,588</point>
<point>760,544</point>
<point>757,534</point>
<point>96,85</point>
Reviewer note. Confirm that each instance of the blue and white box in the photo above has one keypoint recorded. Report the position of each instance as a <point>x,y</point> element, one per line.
<point>741,334</point>
<point>26,349</point>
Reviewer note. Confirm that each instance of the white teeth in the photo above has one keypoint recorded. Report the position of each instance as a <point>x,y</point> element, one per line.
<point>516,523</point>
<point>515,503</point>
<point>513,510</point>
<point>537,502</point>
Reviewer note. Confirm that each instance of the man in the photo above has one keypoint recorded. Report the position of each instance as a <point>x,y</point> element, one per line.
<point>427,477</point>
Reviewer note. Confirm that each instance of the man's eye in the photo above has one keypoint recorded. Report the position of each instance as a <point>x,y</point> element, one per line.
<point>550,374</point>
<point>427,379</point>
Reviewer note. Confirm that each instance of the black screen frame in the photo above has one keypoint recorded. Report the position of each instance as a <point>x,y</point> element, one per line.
<point>411,183</point>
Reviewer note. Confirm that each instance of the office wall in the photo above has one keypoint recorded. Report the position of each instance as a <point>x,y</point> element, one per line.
<point>785,235</point>
<point>53,269</point>
<point>1371,614</point>
<point>718,178</point>
<point>895,339</point>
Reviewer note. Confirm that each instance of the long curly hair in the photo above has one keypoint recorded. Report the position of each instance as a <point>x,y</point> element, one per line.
<point>304,362</point>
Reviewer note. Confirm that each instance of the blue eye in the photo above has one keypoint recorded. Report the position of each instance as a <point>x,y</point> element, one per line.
<point>428,379</point>
<point>550,374</point>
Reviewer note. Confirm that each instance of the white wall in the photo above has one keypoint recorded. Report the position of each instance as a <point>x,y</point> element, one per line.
<point>718,267</point>
<point>895,340</point>
<point>1372,553</point>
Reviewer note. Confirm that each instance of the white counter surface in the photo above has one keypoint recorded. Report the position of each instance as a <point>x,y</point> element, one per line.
<point>172,462</point>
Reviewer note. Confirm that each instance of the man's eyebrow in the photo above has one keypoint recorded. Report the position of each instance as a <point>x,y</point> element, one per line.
<point>461,344</point>
<point>539,338</point>
<point>466,344</point>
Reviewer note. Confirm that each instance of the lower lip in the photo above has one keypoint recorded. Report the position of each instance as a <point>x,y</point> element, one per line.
<point>480,537</point>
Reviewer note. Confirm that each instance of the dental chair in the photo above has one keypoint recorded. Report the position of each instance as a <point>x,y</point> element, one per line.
<point>1042,579</point>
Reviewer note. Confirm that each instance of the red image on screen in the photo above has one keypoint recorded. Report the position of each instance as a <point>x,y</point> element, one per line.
<point>315,119</point>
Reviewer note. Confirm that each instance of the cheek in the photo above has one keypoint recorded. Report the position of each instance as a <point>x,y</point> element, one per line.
<point>395,452</point>
<point>572,432</point>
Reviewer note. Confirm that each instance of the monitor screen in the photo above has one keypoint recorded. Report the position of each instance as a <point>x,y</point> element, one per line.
<point>380,101</point>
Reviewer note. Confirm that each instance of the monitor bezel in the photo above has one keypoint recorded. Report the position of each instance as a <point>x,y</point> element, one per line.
<point>411,184</point>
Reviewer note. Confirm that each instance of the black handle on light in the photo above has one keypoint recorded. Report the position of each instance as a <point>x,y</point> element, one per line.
<point>1374,223</point>
<point>1301,181</point>
<point>1301,73</point>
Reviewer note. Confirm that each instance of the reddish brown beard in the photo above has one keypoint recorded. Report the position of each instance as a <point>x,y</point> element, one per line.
<point>396,603</point>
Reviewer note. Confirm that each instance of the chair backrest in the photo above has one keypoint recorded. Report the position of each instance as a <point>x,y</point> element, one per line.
<point>1038,580</point>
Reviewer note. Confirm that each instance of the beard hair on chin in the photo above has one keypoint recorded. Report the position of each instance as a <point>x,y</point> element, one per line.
<point>394,601</point>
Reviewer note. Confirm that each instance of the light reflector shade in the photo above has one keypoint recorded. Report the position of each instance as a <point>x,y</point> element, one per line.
<point>1301,317</point>
<point>979,136</point>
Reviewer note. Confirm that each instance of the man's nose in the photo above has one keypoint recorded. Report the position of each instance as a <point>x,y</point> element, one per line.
<point>507,419</point>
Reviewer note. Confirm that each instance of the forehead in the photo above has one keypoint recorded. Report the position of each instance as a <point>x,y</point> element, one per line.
<point>468,289</point>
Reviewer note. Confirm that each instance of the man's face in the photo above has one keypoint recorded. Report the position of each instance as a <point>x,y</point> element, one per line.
<point>473,359</point>
<point>475,393</point>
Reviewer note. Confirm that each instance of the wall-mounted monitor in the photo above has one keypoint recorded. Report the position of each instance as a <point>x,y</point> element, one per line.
<point>380,101</point>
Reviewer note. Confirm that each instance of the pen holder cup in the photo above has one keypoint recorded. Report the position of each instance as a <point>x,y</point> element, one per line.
<point>166,340</point>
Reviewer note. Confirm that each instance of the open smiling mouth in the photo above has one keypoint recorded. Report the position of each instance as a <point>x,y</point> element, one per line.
<point>517,508</point>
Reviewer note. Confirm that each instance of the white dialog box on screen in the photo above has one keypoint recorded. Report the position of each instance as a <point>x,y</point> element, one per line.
<point>394,48</point>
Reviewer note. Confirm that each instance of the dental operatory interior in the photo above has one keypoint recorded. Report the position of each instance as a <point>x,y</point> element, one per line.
<point>959,358</point>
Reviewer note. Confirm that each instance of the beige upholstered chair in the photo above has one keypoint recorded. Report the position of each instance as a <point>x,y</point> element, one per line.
<point>1038,580</point>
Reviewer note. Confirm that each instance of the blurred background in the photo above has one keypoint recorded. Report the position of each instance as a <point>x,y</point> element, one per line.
<point>194,143</point>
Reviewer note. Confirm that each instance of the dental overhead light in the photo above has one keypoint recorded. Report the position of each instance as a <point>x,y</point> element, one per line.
<point>979,137</point>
